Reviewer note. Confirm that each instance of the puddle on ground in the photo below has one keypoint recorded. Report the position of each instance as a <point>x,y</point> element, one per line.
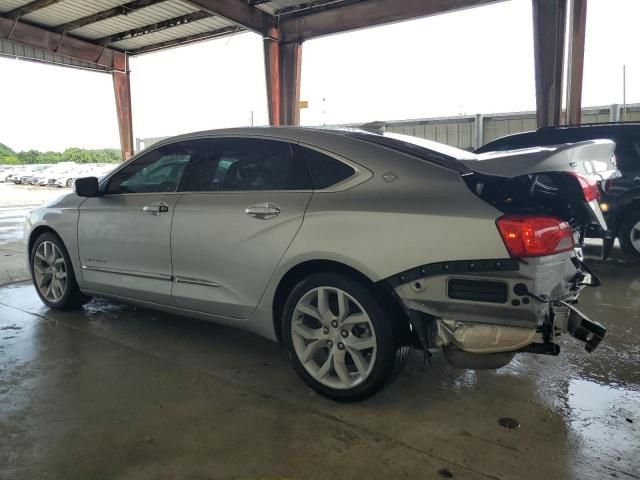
<point>610,412</point>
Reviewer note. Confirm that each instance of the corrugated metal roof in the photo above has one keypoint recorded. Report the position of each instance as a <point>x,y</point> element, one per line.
<point>62,12</point>
<point>19,50</point>
<point>181,31</point>
<point>69,10</point>
<point>276,6</point>
<point>7,5</point>
<point>140,18</point>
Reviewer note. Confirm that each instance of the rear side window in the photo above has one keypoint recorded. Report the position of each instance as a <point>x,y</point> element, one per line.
<point>245,164</point>
<point>325,171</point>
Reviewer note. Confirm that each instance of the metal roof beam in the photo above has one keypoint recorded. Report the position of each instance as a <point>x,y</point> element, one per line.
<point>154,27</point>
<point>29,8</point>
<point>366,14</point>
<point>185,40</point>
<point>240,13</point>
<point>53,42</point>
<point>125,9</point>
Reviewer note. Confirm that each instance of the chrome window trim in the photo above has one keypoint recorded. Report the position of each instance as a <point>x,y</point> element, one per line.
<point>361,174</point>
<point>195,281</point>
<point>131,273</point>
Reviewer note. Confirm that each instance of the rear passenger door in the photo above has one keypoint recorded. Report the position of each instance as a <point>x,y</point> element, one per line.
<point>242,205</point>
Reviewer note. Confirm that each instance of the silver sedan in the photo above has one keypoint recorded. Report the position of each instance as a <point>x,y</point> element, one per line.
<point>349,246</point>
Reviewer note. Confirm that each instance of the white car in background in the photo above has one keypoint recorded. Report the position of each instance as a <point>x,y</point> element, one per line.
<point>6,173</point>
<point>49,176</point>
<point>26,175</point>
<point>67,178</point>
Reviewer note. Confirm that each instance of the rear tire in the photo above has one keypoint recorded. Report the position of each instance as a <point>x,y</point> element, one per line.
<point>339,337</point>
<point>52,274</point>
<point>629,236</point>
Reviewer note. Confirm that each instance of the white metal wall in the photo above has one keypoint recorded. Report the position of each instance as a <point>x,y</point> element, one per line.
<point>470,132</point>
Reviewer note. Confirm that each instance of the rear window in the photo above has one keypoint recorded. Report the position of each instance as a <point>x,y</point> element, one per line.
<point>432,152</point>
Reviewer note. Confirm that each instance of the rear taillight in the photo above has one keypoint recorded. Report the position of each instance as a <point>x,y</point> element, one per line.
<point>589,186</point>
<point>534,236</point>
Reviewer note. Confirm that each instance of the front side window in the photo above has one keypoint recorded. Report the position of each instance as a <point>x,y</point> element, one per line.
<point>245,164</point>
<point>155,172</point>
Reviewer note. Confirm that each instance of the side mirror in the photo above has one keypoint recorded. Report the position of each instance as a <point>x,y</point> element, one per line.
<point>87,187</point>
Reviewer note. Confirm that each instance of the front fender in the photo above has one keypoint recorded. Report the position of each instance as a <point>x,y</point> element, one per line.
<point>61,217</point>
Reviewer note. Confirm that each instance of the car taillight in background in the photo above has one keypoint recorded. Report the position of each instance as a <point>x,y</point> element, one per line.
<point>534,236</point>
<point>589,185</point>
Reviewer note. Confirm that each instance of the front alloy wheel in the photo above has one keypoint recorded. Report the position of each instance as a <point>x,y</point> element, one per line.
<point>50,271</point>
<point>53,275</point>
<point>339,337</point>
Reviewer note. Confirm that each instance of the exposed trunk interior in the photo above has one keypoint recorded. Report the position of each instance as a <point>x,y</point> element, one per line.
<point>557,194</point>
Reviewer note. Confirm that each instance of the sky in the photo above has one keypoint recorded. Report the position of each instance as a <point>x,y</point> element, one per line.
<point>478,60</point>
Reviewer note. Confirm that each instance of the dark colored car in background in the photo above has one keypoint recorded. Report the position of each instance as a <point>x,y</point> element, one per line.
<point>620,197</point>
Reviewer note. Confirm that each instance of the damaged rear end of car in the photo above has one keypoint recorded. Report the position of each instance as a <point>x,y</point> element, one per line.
<point>482,312</point>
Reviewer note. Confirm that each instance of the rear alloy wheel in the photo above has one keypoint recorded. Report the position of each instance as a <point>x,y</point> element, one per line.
<point>339,338</point>
<point>629,235</point>
<point>53,274</point>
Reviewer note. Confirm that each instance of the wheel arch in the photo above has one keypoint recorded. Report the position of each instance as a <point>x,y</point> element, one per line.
<point>36,232</point>
<point>399,319</point>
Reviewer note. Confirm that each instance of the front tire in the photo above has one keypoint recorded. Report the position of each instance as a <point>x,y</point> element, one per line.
<point>52,274</point>
<point>339,337</point>
<point>629,236</point>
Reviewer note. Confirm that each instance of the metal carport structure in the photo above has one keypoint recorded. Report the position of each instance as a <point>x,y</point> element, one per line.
<point>102,34</point>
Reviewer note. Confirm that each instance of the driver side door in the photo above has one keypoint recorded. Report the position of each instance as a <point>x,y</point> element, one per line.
<point>124,236</point>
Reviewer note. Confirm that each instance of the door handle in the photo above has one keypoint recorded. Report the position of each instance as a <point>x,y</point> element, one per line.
<point>156,208</point>
<point>263,211</point>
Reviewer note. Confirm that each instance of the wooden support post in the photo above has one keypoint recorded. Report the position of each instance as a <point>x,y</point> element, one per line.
<point>575,63</point>
<point>122,90</point>
<point>549,18</point>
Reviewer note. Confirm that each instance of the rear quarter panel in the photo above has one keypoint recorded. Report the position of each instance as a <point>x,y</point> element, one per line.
<point>426,214</point>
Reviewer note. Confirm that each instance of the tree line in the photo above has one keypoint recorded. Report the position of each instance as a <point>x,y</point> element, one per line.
<point>78,155</point>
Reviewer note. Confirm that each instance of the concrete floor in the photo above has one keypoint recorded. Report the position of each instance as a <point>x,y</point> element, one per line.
<point>112,391</point>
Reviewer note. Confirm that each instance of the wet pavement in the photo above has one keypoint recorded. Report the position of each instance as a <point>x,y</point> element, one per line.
<point>112,391</point>
<point>15,203</point>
